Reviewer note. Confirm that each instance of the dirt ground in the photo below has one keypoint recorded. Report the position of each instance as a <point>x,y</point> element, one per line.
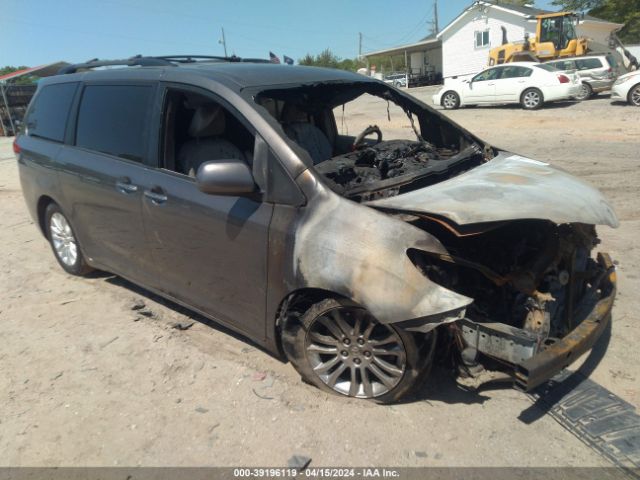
<point>86,380</point>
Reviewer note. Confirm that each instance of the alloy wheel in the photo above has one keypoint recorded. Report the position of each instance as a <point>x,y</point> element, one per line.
<point>635,96</point>
<point>355,355</point>
<point>532,99</point>
<point>64,242</point>
<point>450,100</point>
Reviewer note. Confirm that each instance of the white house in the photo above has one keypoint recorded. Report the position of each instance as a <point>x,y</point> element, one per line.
<point>462,47</point>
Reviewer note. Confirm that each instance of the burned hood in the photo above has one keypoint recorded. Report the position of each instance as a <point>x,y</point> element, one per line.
<point>509,187</point>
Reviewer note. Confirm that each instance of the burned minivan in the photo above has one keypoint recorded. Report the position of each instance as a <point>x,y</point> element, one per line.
<point>233,188</point>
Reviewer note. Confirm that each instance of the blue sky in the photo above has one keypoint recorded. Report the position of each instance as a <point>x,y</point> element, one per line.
<point>35,32</point>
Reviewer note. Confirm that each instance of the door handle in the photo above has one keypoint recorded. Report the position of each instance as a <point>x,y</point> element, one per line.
<point>125,186</point>
<point>155,197</point>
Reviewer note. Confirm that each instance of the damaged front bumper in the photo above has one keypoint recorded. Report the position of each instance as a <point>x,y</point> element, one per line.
<point>536,370</point>
<point>532,359</point>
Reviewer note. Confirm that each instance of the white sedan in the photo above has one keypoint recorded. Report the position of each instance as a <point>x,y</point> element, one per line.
<point>627,87</point>
<point>527,83</point>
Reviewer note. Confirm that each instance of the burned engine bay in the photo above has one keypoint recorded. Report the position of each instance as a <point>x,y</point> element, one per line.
<point>396,166</point>
<point>364,170</point>
<point>533,282</point>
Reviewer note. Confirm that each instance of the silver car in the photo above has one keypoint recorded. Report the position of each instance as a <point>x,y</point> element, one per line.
<point>597,72</point>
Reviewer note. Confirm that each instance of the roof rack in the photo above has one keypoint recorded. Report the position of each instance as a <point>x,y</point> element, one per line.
<point>162,61</point>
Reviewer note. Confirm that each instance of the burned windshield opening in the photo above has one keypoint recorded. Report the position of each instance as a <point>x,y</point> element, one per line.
<point>369,141</point>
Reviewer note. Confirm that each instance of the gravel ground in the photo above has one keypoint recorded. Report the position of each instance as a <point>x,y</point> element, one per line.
<point>89,381</point>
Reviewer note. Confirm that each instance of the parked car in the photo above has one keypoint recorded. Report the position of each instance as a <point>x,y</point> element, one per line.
<point>528,83</point>
<point>397,79</point>
<point>596,72</point>
<point>627,87</point>
<point>227,187</point>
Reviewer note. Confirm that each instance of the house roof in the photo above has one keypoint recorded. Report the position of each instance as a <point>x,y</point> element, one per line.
<point>517,8</point>
<point>426,43</point>
<point>521,11</point>
<point>40,71</point>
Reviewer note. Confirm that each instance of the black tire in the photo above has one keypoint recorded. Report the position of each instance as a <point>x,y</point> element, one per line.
<point>586,92</point>
<point>450,100</point>
<point>74,264</point>
<point>416,356</point>
<point>531,99</point>
<point>634,96</point>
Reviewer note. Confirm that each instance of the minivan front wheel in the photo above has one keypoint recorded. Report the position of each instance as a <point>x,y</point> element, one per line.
<point>340,347</point>
<point>63,242</point>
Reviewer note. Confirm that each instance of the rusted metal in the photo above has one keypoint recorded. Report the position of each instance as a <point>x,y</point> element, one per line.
<point>539,368</point>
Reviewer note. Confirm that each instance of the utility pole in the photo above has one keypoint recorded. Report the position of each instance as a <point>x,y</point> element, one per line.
<point>435,16</point>
<point>223,41</point>
<point>435,29</point>
<point>359,45</point>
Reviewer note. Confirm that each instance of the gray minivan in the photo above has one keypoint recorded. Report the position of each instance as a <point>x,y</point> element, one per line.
<point>228,187</point>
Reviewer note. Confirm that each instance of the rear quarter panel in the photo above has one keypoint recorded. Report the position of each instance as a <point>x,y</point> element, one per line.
<point>38,171</point>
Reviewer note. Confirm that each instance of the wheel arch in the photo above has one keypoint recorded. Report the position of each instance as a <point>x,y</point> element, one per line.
<point>293,305</point>
<point>43,202</point>
<point>631,89</point>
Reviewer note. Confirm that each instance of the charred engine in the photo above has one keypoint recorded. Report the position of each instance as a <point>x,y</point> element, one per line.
<point>394,167</point>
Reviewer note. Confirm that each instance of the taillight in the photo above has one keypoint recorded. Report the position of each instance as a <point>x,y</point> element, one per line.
<point>563,79</point>
<point>16,147</point>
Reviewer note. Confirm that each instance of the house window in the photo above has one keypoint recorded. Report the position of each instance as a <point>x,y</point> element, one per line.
<point>482,39</point>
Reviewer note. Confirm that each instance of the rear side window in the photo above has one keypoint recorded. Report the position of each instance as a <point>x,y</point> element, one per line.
<point>516,72</point>
<point>48,115</point>
<point>112,120</point>
<point>588,63</point>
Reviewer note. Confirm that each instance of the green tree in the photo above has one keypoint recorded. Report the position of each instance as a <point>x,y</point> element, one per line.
<point>328,59</point>
<point>618,11</point>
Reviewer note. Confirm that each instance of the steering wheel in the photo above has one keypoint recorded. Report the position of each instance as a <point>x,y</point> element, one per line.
<point>359,141</point>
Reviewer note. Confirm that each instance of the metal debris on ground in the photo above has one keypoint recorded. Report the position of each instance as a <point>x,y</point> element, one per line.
<point>598,417</point>
<point>182,326</point>
<point>137,304</point>
<point>299,461</point>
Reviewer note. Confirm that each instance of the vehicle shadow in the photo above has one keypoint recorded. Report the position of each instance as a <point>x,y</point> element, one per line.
<point>179,309</point>
<point>441,386</point>
<point>517,106</point>
<point>558,390</point>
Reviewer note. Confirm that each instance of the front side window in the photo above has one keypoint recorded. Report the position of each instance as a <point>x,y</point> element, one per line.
<point>197,129</point>
<point>48,115</point>
<point>491,74</point>
<point>482,39</point>
<point>112,120</point>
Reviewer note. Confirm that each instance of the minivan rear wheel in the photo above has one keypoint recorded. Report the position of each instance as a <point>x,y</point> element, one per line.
<point>339,347</point>
<point>64,242</point>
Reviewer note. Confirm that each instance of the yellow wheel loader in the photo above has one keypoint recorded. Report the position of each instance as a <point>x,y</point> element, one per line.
<point>555,38</point>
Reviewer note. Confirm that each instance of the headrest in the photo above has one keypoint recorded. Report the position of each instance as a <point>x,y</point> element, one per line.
<point>292,113</point>
<point>208,120</point>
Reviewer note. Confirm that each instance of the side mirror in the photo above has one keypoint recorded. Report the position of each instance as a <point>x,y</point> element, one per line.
<point>225,177</point>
